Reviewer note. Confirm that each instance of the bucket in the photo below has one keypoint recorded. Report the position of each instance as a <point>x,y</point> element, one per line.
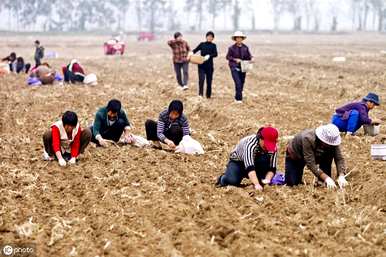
<point>371,130</point>
<point>197,59</point>
<point>378,152</point>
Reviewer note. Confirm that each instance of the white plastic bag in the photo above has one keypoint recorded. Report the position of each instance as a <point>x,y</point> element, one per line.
<point>189,146</point>
<point>140,141</point>
<point>246,66</point>
<point>91,79</point>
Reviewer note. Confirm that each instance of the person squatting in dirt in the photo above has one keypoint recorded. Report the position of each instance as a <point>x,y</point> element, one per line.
<point>65,140</point>
<point>110,124</point>
<point>255,157</point>
<point>238,53</point>
<point>205,71</point>
<point>350,117</point>
<point>316,149</point>
<point>16,64</point>
<point>171,127</point>
<point>73,72</point>
<point>180,49</point>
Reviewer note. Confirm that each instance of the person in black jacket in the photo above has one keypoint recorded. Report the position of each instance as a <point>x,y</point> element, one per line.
<point>209,50</point>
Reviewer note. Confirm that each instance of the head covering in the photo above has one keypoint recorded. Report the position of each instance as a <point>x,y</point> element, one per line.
<point>238,34</point>
<point>329,134</point>
<point>372,97</point>
<point>176,105</point>
<point>269,135</point>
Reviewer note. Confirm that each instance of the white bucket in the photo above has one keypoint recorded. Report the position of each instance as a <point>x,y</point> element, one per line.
<point>378,152</point>
<point>371,130</point>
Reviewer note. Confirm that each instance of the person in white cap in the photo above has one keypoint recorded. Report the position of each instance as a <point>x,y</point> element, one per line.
<point>316,149</point>
<point>237,53</point>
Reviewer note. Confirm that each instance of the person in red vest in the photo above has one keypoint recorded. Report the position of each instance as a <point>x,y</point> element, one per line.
<point>65,140</point>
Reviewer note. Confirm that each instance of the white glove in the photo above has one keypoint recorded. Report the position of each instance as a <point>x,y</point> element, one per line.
<point>342,182</point>
<point>330,183</point>
<point>72,160</point>
<point>62,162</point>
<point>101,141</point>
<point>266,181</point>
<point>206,57</point>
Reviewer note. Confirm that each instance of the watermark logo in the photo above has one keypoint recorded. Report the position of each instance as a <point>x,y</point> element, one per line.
<point>7,250</point>
<point>18,250</point>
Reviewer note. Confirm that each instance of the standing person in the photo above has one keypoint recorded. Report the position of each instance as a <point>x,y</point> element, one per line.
<point>171,127</point>
<point>209,50</point>
<point>237,53</point>
<point>109,124</point>
<point>316,149</point>
<point>65,140</point>
<point>180,50</point>
<point>350,117</point>
<point>39,53</point>
<point>255,158</point>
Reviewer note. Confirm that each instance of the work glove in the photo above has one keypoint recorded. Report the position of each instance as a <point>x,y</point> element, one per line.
<point>258,187</point>
<point>342,182</point>
<point>101,141</point>
<point>266,181</point>
<point>206,57</point>
<point>330,183</point>
<point>62,162</point>
<point>72,160</point>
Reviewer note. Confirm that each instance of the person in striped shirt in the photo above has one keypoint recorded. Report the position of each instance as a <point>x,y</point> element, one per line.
<point>255,157</point>
<point>171,126</point>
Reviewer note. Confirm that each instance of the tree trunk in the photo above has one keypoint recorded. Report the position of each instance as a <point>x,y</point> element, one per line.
<point>334,25</point>
<point>380,19</point>
<point>365,16</point>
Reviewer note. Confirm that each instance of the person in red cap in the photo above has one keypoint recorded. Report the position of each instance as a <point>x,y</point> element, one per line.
<point>255,157</point>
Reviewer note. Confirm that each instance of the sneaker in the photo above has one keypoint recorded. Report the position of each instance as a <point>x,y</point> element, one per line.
<point>238,101</point>
<point>185,87</point>
<point>218,182</point>
<point>46,157</point>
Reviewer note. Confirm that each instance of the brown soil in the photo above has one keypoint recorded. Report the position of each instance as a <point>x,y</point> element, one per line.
<point>143,202</point>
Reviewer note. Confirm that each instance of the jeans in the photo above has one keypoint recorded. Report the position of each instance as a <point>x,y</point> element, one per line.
<point>173,133</point>
<point>202,74</point>
<point>185,69</point>
<point>85,137</point>
<point>239,80</point>
<point>294,169</point>
<point>235,171</point>
<point>113,132</point>
<point>351,124</point>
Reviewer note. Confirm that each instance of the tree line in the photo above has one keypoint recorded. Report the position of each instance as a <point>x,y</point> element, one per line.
<point>159,15</point>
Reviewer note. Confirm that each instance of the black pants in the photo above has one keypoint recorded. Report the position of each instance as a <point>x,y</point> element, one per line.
<point>239,80</point>
<point>182,81</point>
<point>23,68</point>
<point>294,169</point>
<point>202,74</point>
<point>113,132</point>
<point>174,132</point>
<point>37,62</point>
<point>235,171</point>
<point>73,78</point>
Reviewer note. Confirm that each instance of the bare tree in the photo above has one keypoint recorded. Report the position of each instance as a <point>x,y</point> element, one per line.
<point>278,8</point>
<point>154,9</point>
<point>236,14</point>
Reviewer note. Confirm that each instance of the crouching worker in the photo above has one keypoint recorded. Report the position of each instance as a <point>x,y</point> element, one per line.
<point>66,140</point>
<point>73,72</point>
<point>316,149</point>
<point>110,123</point>
<point>350,117</point>
<point>255,157</point>
<point>171,127</point>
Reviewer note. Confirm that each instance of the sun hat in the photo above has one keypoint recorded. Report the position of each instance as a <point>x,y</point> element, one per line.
<point>238,34</point>
<point>270,135</point>
<point>372,97</point>
<point>329,134</point>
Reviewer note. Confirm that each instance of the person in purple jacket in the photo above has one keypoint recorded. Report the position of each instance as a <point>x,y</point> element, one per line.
<point>237,53</point>
<point>350,117</point>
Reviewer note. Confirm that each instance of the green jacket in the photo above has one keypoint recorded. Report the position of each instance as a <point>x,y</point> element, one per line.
<point>101,122</point>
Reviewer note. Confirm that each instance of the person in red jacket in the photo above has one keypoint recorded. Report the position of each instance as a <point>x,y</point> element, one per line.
<point>66,140</point>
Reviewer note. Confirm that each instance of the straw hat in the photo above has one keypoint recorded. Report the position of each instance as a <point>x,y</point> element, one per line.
<point>238,34</point>
<point>329,134</point>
